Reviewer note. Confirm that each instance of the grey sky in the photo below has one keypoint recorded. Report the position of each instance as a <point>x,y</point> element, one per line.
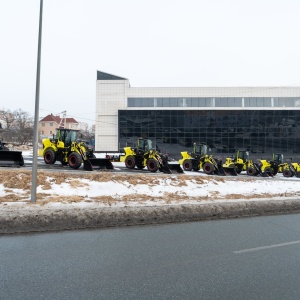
<point>152,43</point>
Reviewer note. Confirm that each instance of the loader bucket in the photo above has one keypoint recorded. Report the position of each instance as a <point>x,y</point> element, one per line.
<point>87,166</point>
<point>175,168</point>
<point>101,163</point>
<point>220,171</point>
<point>165,169</point>
<point>11,158</point>
<point>230,171</point>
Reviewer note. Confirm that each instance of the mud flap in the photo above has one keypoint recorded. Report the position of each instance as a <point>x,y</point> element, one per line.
<point>101,163</point>
<point>175,168</point>
<point>11,158</point>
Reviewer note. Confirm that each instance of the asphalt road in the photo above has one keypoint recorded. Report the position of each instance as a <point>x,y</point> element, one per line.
<point>254,258</point>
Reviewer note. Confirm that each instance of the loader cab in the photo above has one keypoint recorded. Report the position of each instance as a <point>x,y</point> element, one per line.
<point>144,144</point>
<point>200,150</point>
<point>242,155</point>
<point>67,136</point>
<point>278,157</point>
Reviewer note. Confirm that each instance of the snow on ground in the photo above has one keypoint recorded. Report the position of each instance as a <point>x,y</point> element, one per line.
<point>116,189</point>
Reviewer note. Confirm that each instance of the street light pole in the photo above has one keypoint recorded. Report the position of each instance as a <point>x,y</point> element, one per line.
<point>36,115</point>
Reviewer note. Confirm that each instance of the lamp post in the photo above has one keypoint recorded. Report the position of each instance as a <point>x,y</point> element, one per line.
<point>36,115</point>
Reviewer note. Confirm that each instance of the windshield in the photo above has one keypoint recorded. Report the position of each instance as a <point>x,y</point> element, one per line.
<point>67,136</point>
<point>201,149</point>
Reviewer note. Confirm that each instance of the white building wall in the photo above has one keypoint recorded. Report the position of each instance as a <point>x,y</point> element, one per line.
<point>112,95</point>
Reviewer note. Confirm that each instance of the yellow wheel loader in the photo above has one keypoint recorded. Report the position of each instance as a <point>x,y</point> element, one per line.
<point>287,169</point>
<point>271,167</point>
<point>10,158</point>
<point>199,159</point>
<point>66,148</point>
<point>242,163</point>
<point>144,155</point>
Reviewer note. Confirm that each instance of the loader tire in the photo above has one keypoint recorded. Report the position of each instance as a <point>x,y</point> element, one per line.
<point>251,171</point>
<point>75,160</point>
<point>152,165</point>
<point>130,162</point>
<point>208,168</point>
<point>287,173</point>
<point>269,171</point>
<point>49,157</point>
<point>187,165</point>
<point>239,170</point>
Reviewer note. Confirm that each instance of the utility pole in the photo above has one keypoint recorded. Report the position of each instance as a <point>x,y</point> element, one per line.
<point>36,115</point>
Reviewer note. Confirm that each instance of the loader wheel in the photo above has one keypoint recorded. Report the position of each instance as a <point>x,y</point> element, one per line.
<point>187,165</point>
<point>251,171</point>
<point>287,173</point>
<point>130,162</point>
<point>269,171</point>
<point>239,169</point>
<point>152,165</point>
<point>49,157</point>
<point>75,160</point>
<point>208,168</point>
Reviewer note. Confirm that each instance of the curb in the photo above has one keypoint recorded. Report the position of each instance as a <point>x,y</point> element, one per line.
<point>41,220</point>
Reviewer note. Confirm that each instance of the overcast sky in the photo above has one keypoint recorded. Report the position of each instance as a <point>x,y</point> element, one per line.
<point>158,43</point>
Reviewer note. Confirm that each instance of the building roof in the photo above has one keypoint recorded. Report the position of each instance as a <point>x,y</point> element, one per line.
<point>57,119</point>
<point>106,76</point>
<point>71,120</point>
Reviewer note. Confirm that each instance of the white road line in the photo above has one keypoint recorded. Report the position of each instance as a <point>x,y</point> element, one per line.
<point>266,247</point>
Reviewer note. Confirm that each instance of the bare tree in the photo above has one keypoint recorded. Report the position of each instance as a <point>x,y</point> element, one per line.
<point>24,126</point>
<point>18,126</point>
<point>8,118</point>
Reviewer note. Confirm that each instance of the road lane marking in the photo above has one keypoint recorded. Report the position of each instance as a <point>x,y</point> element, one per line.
<point>266,247</point>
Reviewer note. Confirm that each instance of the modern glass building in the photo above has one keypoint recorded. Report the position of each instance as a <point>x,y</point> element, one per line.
<point>264,120</point>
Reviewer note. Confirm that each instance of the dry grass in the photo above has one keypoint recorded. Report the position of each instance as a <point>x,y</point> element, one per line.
<point>21,179</point>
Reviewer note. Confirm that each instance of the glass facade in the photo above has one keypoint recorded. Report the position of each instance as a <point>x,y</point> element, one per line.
<point>262,132</point>
<point>214,102</point>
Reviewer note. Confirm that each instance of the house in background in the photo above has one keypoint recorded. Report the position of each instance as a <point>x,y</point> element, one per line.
<point>48,125</point>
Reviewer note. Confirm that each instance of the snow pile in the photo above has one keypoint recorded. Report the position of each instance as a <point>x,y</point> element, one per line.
<point>112,189</point>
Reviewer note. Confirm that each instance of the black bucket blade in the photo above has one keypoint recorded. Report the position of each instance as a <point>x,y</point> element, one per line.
<point>11,158</point>
<point>87,165</point>
<point>221,171</point>
<point>175,168</point>
<point>101,163</point>
<point>165,169</point>
<point>266,174</point>
<point>230,171</point>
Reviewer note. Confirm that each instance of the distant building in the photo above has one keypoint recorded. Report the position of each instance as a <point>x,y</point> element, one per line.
<point>48,125</point>
<point>259,119</point>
